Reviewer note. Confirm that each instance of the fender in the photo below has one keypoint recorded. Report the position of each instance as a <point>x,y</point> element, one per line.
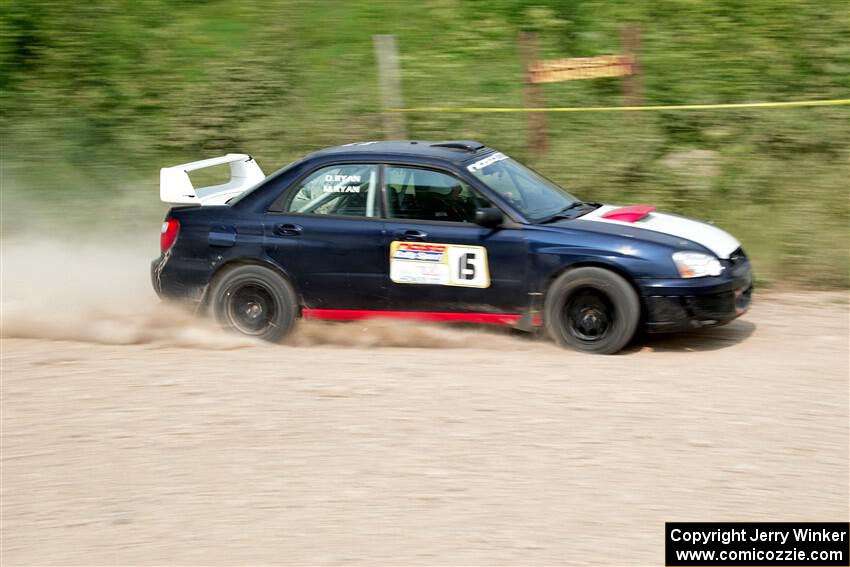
<point>263,261</point>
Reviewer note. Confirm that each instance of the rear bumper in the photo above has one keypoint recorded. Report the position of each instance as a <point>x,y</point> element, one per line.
<point>156,267</point>
<point>686,304</point>
<point>184,281</point>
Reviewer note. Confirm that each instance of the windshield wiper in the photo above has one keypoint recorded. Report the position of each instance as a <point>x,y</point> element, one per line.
<point>574,205</point>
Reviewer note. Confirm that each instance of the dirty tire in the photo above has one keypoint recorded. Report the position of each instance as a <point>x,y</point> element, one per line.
<point>254,301</point>
<point>592,310</point>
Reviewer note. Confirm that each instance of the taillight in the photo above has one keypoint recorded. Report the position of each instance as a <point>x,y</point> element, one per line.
<point>170,228</point>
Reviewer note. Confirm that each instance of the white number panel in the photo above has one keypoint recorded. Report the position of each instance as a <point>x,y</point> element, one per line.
<point>468,266</point>
<point>439,264</point>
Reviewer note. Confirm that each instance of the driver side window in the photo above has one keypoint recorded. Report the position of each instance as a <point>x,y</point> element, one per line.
<point>430,195</point>
<point>345,189</point>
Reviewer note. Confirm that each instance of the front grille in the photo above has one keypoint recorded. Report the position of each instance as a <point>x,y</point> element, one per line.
<point>712,308</point>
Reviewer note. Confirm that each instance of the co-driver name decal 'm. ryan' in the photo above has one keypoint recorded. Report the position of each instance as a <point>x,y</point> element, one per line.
<point>341,184</point>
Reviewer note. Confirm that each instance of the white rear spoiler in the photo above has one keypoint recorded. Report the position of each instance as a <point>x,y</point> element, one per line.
<point>176,188</point>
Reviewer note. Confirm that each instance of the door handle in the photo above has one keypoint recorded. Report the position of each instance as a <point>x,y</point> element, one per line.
<point>411,235</point>
<point>288,229</point>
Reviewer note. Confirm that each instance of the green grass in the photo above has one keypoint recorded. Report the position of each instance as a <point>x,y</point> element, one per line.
<point>97,96</point>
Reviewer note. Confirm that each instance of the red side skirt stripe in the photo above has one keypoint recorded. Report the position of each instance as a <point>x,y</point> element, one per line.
<point>454,317</point>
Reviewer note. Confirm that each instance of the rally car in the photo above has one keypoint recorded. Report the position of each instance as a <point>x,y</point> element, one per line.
<point>448,231</point>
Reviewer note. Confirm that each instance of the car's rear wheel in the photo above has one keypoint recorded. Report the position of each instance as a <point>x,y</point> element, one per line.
<point>254,301</point>
<point>592,310</point>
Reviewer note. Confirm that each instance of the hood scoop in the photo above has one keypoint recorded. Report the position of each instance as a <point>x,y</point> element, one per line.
<point>632,213</point>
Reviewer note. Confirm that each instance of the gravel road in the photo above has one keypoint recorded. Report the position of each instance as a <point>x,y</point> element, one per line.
<point>354,447</point>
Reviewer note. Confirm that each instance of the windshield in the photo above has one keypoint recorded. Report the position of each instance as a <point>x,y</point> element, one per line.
<point>530,193</point>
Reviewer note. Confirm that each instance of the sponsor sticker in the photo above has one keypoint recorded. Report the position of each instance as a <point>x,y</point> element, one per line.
<point>489,160</point>
<point>439,264</point>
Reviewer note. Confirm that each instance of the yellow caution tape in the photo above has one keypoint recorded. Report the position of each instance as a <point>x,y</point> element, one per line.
<point>449,109</point>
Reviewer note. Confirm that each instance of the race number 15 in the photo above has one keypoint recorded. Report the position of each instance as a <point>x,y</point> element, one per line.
<point>468,266</point>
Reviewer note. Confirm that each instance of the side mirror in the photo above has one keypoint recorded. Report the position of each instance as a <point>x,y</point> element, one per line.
<point>488,216</point>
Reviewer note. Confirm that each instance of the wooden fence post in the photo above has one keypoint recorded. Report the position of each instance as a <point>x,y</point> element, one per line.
<point>532,94</point>
<point>632,95</point>
<point>389,83</point>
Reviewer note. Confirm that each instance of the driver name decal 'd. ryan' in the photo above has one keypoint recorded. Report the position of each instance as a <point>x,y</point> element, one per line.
<point>439,264</point>
<point>341,184</point>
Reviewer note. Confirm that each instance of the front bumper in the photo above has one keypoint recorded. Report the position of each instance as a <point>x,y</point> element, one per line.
<point>686,304</point>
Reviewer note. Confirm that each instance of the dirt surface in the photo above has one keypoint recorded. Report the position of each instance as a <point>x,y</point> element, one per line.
<point>480,448</point>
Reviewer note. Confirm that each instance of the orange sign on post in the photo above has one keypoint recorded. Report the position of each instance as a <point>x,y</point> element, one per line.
<point>573,68</point>
<point>536,72</point>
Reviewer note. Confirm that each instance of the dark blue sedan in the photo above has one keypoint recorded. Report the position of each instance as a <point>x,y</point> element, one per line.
<point>438,231</point>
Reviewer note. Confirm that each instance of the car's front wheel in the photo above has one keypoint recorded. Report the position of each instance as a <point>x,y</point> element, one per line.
<point>591,309</point>
<point>254,301</point>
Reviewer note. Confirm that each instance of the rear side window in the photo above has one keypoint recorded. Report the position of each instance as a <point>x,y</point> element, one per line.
<point>430,195</point>
<point>348,189</point>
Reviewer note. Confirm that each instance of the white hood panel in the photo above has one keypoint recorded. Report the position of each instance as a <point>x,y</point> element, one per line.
<point>718,241</point>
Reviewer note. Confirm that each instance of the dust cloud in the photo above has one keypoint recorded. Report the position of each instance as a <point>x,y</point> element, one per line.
<point>100,292</point>
<point>392,333</point>
<point>97,293</point>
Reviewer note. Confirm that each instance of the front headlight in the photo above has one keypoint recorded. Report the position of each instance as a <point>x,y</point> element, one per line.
<point>696,264</point>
